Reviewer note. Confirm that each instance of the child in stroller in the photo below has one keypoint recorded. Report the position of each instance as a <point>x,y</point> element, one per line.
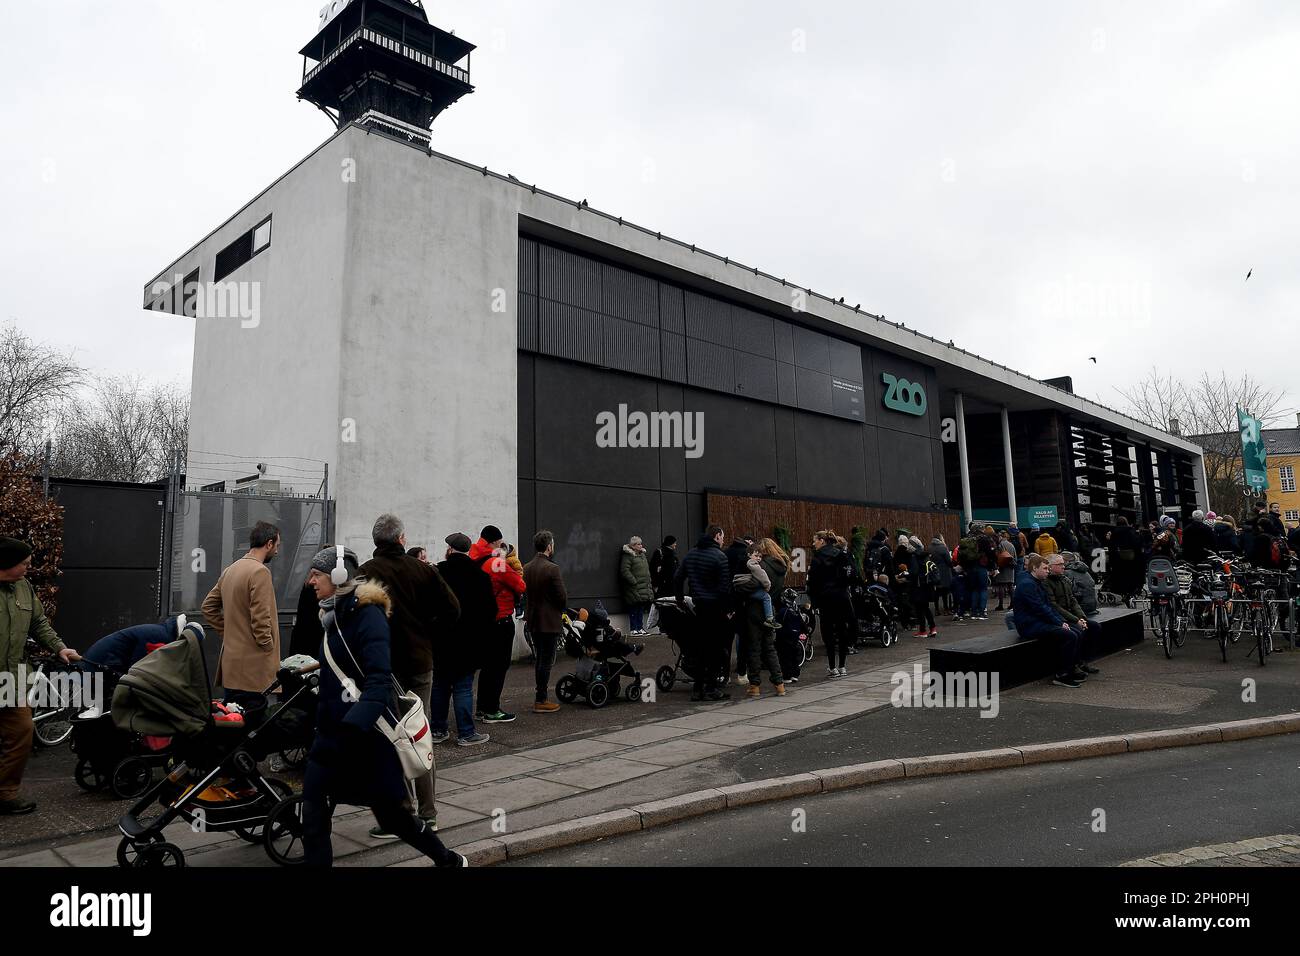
<point>108,757</point>
<point>876,612</point>
<point>214,782</point>
<point>602,660</point>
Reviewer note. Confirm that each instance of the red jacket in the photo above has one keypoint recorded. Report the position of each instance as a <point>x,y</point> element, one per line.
<point>507,583</point>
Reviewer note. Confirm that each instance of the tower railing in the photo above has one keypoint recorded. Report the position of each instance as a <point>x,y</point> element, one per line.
<point>396,46</point>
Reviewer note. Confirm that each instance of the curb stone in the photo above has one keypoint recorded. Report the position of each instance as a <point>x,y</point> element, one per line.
<point>703,802</point>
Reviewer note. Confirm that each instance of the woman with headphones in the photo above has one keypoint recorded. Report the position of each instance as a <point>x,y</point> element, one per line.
<point>351,762</point>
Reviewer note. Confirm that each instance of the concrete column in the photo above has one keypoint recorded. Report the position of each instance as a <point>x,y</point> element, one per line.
<point>964,461</point>
<point>1011,472</point>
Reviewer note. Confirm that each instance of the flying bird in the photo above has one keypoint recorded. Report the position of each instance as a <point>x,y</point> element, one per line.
<point>1093,361</point>
<point>1249,274</point>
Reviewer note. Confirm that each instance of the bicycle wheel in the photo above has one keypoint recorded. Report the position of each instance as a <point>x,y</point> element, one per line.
<point>52,725</point>
<point>1221,630</point>
<point>1164,629</point>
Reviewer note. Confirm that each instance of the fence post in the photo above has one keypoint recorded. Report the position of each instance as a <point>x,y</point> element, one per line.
<point>45,472</point>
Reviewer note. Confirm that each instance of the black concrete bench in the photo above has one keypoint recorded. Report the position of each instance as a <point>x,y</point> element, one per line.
<point>1018,661</point>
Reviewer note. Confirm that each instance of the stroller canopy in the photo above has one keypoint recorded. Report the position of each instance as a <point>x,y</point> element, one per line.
<point>166,694</point>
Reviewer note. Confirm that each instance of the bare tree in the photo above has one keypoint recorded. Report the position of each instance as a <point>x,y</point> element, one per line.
<point>1206,412</point>
<point>122,431</point>
<point>34,379</point>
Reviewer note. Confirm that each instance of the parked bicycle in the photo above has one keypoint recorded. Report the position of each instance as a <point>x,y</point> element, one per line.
<point>51,705</point>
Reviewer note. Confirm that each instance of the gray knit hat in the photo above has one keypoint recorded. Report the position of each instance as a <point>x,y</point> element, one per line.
<point>327,560</point>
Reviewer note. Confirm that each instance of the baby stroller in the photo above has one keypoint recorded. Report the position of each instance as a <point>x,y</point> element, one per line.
<point>794,646</point>
<point>602,662</point>
<point>680,624</point>
<point>214,784</point>
<point>876,612</point>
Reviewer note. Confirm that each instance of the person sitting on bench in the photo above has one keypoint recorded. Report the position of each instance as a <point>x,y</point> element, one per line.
<point>1060,592</point>
<point>1035,618</point>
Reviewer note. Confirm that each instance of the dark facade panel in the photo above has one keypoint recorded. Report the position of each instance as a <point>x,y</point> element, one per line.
<point>527,416</point>
<point>783,338</point>
<point>570,278</point>
<point>906,468</point>
<point>846,360</point>
<point>591,525</point>
<point>674,510</point>
<point>708,319</point>
<point>754,333</point>
<point>812,350</point>
<point>672,461</point>
<point>786,391</point>
<point>674,358</point>
<point>631,347</point>
<point>672,309</point>
<point>528,311</point>
<point>111,527</point>
<point>739,443</point>
<point>880,364</point>
<point>565,331</point>
<point>710,366</point>
<point>756,378</point>
<point>830,458</point>
<point>787,453</point>
<point>630,296</point>
<point>570,400</point>
<point>528,525</point>
<point>814,391</point>
<point>528,253</point>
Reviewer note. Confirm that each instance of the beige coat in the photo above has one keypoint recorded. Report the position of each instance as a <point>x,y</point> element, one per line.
<point>242,610</point>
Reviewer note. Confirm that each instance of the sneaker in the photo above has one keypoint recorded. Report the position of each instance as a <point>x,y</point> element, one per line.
<point>17,807</point>
<point>934,632</point>
<point>547,707</point>
<point>1080,676</point>
<point>500,717</point>
<point>922,633</point>
<point>432,825</point>
<point>844,672</point>
<point>771,625</point>
<point>1068,680</point>
<point>460,864</point>
<point>983,617</point>
<point>833,674</point>
<point>742,679</point>
<point>754,692</point>
<point>379,833</point>
<point>1088,669</point>
<point>477,740</point>
<point>439,738</point>
<point>792,680</point>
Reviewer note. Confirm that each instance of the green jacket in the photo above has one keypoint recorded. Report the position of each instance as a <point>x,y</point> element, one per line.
<point>1060,591</point>
<point>21,617</point>
<point>634,576</point>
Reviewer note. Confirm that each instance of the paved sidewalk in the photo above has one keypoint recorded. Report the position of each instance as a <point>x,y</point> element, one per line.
<point>1281,850</point>
<point>491,789</point>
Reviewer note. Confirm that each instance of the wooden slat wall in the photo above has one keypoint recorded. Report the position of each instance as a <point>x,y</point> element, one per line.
<point>759,516</point>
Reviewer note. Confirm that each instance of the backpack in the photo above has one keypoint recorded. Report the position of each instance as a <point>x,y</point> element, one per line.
<point>931,573</point>
<point>1275,552</point>
<point>968,552</point>
<point>844,567</point>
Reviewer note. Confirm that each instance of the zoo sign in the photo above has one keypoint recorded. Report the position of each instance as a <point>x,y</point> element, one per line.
<point>905,397</point>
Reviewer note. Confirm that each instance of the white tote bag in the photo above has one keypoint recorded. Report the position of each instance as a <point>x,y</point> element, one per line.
<point>409,734</point>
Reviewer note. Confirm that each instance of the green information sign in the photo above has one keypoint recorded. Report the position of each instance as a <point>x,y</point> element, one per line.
<point>1254,453</point>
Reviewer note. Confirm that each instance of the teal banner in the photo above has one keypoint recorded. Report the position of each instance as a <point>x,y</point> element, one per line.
<point>1044,517</point>
<point>1254,453</point>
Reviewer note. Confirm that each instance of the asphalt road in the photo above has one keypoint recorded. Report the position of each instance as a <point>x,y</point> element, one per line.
<point>1157,802</point>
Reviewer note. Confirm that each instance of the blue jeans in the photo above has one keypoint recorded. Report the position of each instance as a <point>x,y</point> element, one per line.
<point>977,583</point>
<point>637,613</point>
<point>766,600</point>
<point>461,689</point>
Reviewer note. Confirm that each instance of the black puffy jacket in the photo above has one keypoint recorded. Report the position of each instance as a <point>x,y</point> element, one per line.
<point>829,576</point>
<point>706,570</point>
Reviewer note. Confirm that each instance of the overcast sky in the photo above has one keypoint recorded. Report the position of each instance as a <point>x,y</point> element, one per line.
<point>1040,182</point>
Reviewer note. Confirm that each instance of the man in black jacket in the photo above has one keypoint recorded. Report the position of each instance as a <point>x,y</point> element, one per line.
<point>738,562</point>
<point>1198,539</point>
<point>706,570</point>
<point>422,606</point>
<point>457,650</point>
<point>663,567</point>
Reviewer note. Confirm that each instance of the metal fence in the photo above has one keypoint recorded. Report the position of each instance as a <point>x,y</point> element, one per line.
<point>209,532</point>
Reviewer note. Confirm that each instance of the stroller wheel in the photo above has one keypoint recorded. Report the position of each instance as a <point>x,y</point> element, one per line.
<point>665,679</point>
<point>127,854</point>
<point>567,690</point>
<point>809,651</point>
<point>598,695</point>
<point>633,692</point>
<point>294,759</point>
<point>159,855</point>
<point>88,778</point>
<point>888,635</point>
<point>250,835</point>
<point>282,833</point>
<point>131,778</point>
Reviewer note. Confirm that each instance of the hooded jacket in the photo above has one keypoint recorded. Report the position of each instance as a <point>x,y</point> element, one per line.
<point>829,575</point>
<point>360,766</point>
<point>507,583</point>
<point>942,558</point>
<point>457,649</point>
<point>1198,541</point>
<point>634,577</point>
<point>1084,584</point>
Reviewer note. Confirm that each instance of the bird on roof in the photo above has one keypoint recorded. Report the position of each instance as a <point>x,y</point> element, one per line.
<point>584,204</point>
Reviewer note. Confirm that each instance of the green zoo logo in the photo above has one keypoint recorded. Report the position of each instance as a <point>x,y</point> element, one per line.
<point>902,396</point>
